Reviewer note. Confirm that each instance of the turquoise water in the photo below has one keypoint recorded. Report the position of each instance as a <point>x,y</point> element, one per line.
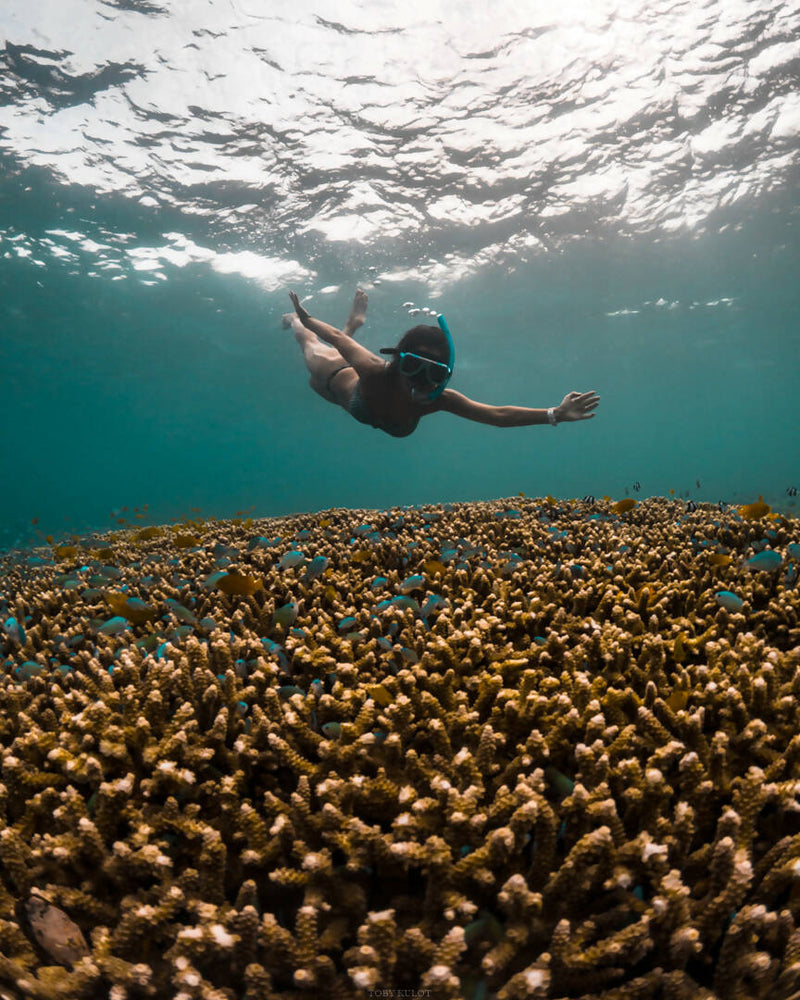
<point>154,214</point>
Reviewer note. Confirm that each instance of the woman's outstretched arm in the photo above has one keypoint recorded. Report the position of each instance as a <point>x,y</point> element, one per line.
<point>574,406</point>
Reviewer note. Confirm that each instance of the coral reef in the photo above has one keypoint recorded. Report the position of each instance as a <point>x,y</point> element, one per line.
<point>518,749</point>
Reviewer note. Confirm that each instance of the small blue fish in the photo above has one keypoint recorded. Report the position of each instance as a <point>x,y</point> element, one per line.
<point>210,581</point>
<point>405,602</point>
<point>286,615</point>
<point>316,568</point>
<point>433,603</point>
<point>292,559</point>
<point>180,632</point>
<point>332,729</point>
<point>114,626</point>
<point>412,583</point>
<point>276,650</point>
<point>346,623</point>
<point>182,613</point>
<point>221,551</point>
<point>729,600</point>
<point>14,630</point>
<point>137,604</point>
<point>261,543</point>
<point>28,669</point>
<point>793,550</point>
<point>378,583</point>
<point>767,560</point>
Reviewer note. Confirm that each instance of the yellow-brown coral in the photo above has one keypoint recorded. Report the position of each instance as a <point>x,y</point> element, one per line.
<point>556,767</point>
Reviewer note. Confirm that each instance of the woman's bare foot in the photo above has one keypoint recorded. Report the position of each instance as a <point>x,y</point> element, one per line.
<point>358,313</point>
<point>286,320</point>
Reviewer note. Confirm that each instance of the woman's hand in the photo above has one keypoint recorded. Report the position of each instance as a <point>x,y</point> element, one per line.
<point>577,406</point>
<point>301,312</point>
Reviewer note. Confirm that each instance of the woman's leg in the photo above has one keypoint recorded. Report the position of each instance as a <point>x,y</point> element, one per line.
<point>322,360</point>
<point>358,314</point>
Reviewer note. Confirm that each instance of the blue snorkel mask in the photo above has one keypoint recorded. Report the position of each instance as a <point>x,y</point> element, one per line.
<point>435,374</point>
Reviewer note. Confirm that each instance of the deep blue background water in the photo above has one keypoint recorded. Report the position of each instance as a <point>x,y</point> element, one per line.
<point>148,239</point>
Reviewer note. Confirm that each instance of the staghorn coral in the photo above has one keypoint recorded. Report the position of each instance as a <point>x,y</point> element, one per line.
<point>556,767</point>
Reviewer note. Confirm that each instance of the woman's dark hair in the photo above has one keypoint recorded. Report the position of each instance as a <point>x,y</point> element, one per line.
<point>429,341</point>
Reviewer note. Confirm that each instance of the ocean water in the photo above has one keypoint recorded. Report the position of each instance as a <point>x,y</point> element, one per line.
<point>596,195</point>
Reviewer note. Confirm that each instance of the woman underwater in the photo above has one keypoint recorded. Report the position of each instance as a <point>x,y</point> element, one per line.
<point>394,395</point>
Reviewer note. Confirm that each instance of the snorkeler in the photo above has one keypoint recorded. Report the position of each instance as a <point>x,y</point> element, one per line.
<point>394,395</point>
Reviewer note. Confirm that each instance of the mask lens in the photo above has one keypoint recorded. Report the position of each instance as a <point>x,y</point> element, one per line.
<point>412,366</point>
<point>437,375</point>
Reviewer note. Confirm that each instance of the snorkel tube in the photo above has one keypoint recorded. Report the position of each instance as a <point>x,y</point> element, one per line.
<point>451,360</point>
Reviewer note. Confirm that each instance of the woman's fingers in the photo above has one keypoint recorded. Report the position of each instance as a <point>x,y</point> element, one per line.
<point>579,405</point>
<point>301,312</point>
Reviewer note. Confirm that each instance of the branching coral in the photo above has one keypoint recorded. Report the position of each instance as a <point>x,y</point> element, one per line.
<point>535,757</point>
